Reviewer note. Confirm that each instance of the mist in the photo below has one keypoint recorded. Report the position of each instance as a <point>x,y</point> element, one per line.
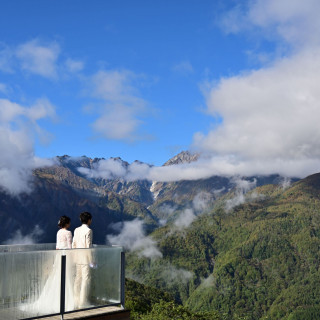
<point>131,236</point>
<point>19,238</point>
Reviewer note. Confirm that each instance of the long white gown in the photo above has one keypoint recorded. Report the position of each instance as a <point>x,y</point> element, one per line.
<point>49,298</point>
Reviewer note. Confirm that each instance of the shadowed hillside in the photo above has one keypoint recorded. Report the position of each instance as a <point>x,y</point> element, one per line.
<point>59,191</point>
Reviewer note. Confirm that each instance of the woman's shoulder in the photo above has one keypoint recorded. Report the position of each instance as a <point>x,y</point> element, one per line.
<point>64,231</point>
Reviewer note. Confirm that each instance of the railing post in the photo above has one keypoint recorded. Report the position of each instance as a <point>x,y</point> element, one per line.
<point>122,281</point>
<point>63,286</point>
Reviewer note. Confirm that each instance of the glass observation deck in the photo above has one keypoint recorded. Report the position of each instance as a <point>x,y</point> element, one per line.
<point>38,281</point>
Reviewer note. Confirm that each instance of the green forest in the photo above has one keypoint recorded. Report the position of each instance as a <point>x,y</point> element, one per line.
<point>257,261</point>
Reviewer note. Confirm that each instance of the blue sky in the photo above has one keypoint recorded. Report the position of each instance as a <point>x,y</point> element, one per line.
<point>147,79</point>
<point>166,50</point>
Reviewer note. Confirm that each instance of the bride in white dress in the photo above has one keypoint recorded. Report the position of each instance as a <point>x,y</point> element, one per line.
<point>64,236</point>
<point>64,241</point>
<point>48,301</point>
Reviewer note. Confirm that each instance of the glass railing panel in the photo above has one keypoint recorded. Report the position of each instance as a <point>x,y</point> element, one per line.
<point>30,284</point>
<point>27,247</point>
<point>93,277</point>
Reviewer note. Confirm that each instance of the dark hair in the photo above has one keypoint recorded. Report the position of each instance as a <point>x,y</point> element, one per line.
<point>85,217</point>
<point>63,221</point>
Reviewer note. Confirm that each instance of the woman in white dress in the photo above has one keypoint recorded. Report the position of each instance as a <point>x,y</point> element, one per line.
<point>64,237</point>
<point>64,241</point>
<point>48,302</point>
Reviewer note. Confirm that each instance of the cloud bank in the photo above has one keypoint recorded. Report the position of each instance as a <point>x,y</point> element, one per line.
<point>270,114</point>
<point>18,128</point>
<point>202,169</point>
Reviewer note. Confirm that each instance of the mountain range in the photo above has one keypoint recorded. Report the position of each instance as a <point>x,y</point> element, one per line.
<point>238,247</point>
<point>63,189</point>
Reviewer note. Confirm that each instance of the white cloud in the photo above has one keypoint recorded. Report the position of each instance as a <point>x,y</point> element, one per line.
<point>133,238</point>
<point>18,124</point>
<point>74,65</point>
<point>294,21</point>
<point>173,275</point>
<point>285,183</point>
<point>122,109</point>
<point>200,204</point>
<point>202,169</point>
<point>3,88</point>
<point>202,200</point>
<point>19,238</point>
<point>38,58</point>
<point>208,282</point>
<point>242,187</point>
<point>297,22</point>
<point>184,67</point>
<point>108,169</point>
<point>164,212</point>
<point>270,114</point>
<point>6,54</point>
<point>117,123</point>
<point>184,219</point>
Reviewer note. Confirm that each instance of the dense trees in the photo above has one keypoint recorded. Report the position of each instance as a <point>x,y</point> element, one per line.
<point>260,261</point>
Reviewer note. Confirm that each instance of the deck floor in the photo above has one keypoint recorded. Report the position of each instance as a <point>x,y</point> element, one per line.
<point>86,314</point>
<point>99,313</point>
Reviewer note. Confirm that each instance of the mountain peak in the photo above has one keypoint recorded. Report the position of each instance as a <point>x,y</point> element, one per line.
<point>183,157</point>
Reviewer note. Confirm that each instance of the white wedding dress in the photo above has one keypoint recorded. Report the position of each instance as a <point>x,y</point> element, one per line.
<point>48,301</point>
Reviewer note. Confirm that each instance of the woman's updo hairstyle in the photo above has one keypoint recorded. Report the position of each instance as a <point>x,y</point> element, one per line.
<point>63,221</point>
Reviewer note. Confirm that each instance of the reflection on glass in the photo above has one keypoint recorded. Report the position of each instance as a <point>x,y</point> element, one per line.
<point>30,280</point>
<point>30,283</point>
<point>96,275</point>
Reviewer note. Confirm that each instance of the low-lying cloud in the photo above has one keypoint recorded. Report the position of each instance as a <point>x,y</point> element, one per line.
<point>202,169</point>
<point>200,204</point>
<point>241,188</point>
<point>174,275</point>
<point>185,218</point>
<point>31,238</point>
<point>285,183</point>
<point>132,236</point>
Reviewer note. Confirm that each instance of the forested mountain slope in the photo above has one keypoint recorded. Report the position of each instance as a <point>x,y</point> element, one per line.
<point>258,261</point>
